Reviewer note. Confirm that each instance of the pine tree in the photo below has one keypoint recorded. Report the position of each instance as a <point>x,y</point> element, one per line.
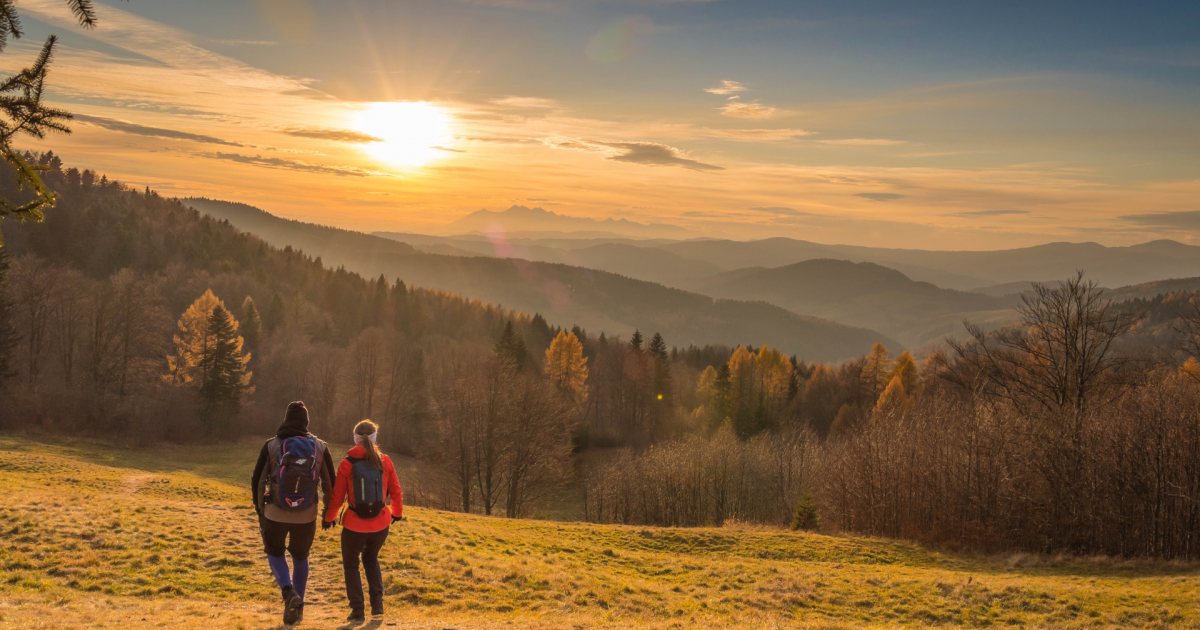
<point>635,341</point>
<point>400,315</point>
<point>379,303</point>
<point>664,399</point>
<point>274,317</point>
<point>226,380</point>
<point>23,112</point>
<point>8,331</point>
<point>566,367</point>
<point>251,326</point>
<point>511,348</point>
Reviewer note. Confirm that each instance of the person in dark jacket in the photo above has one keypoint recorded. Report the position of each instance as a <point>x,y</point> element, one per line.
<point>286,519</point>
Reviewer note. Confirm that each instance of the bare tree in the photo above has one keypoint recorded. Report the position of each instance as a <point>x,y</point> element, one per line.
<point>1058,356</point>
<point>366,360</point>
<point>34,287</point>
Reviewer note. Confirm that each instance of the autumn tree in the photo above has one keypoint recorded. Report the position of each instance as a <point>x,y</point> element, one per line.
<point>193,342</point>
<point>566,367</point>
<point>8,329</point>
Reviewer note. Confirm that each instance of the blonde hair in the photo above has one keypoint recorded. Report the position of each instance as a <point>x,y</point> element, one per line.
<point>365,428</point>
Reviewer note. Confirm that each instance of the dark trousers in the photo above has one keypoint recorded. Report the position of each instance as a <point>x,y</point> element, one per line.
<point>355,544</point>
<point>298,537</point>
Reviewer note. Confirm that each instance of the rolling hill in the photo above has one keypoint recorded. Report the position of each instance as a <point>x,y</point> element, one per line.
<point>564,294</point>
<point>859,294</point>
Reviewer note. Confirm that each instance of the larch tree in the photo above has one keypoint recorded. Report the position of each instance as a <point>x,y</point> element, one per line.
<point>566,367</point>
<point>875,372</point>
<point>193,343</point>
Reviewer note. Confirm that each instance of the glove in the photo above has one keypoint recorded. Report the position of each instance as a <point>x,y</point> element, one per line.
<point>326,524</point>
<point>397,519</point>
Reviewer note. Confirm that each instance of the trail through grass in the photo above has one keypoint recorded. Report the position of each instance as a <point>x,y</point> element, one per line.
<point>93,536</point>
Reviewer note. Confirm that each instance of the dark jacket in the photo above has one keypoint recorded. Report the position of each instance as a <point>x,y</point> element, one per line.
<point>295,424</point>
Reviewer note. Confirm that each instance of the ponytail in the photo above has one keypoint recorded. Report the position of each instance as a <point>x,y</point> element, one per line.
<point>366,428</point>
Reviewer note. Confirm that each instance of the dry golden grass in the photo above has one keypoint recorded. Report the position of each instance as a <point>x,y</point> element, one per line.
<point>92,536</point>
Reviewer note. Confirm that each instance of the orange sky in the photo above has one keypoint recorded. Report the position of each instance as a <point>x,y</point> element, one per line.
<point>162,106</point>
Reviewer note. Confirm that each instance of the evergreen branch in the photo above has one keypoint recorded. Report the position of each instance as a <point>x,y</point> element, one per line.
<point>10,23</point>
<point>84,12</point>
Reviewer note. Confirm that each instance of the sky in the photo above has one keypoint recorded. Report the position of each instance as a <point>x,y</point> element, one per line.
<point>932,125</point>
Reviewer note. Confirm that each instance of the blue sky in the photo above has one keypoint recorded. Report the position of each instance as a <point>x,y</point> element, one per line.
<point>981,125</point>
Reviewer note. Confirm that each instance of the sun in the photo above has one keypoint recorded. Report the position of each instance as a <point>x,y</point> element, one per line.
<point>411,133</point>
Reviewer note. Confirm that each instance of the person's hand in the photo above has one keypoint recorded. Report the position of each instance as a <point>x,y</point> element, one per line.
<point>397,519</point>
<point>326,524</point>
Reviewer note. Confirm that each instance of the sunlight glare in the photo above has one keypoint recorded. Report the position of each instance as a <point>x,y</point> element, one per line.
<point>412,132</point>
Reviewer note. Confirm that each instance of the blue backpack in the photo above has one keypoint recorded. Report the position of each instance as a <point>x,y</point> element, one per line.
<point>296,470</point>
<point>368,488</point>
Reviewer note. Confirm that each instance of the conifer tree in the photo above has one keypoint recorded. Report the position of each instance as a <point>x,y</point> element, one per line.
<point>22,112</point>
<point>193,343</point>
<point>663,383</point>
<point>400,315</point>
<point>635,341</point>
<point>875,373</point>
<point>379,305</point>
<point>226,379</point>
<point>251,325</point>
<point>274,318</point>
<point>511,348</point>
<point>566,367</point>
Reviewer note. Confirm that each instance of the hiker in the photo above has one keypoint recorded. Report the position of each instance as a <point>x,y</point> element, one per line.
<point>367,482</point>
<point>290,467</point>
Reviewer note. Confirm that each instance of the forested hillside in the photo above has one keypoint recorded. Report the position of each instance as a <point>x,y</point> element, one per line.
<point>595,300</point>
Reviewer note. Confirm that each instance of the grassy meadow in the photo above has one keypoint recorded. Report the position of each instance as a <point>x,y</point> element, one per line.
<point>94,536</point>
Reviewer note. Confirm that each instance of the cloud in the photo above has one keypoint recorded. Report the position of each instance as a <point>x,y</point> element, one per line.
<point>781,210</point>
<point>1185,220</point>
<point>930,154</point>
<point>335,135</point>
<point>738,109</point>
<point>726,87</point>
<point>880,196</point>
<point>759,134</point>
<point>526,102</point>
<point>988,213</point>
<point>656,155</point>
<point>447,149</point>
<point>153,132</point>
<point>244,42</point>
<point>864,142</point>
<point>293,165</point>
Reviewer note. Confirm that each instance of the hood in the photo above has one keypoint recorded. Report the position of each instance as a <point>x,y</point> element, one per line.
<point>357,452</point>
<point>295,421</point>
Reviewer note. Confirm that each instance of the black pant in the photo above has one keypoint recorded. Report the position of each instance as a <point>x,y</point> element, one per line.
<point>297,536</point>
<point>355,544</point>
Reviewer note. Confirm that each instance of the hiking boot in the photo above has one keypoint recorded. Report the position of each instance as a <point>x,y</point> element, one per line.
<point>356,615</point>
<point>377,611</point>
<point>291,606</point>
<point>299,613</point>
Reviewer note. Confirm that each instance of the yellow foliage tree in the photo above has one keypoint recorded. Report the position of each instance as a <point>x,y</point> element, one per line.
<point>193,343</point>
<point>894,399</point>
<point>1190,369</point>
<point>906,370</point>
<point>566,366</point>
<point>875,371</point>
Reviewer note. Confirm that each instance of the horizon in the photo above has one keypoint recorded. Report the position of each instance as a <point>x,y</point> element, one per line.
<point>972,129</point>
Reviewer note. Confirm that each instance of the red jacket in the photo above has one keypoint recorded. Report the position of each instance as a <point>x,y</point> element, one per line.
<point>341,494</point>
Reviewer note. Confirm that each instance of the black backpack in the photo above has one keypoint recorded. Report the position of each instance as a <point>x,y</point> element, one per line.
<point>368,488</point>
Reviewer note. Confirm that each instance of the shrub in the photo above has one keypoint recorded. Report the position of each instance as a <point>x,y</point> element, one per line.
<point>806,516</point>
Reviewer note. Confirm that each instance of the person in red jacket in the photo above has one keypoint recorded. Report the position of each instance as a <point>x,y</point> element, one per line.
<point>366,482</point>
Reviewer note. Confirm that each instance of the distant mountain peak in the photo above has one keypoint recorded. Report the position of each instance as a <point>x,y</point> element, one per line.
<point>519,218</point>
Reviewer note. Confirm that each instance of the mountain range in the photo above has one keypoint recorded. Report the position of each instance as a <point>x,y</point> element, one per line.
<point>564,294</point>
<point>541,221</point>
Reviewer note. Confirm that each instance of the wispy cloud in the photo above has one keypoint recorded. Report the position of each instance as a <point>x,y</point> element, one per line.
<point>1187,220</point>
<point>335,135</point>
<point>781,211</point>
<point>988,213</point>
<point>864,142</point>
<point>447,149</point>
<point>726,87</point>
<point>738,109</point>
<point>880,196</point>
<point>293,165</point>
<point>656,155</point>
<point>244,42</point>
<point>153,132</point>
<point>759,135</point>
<point>526,102</point>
